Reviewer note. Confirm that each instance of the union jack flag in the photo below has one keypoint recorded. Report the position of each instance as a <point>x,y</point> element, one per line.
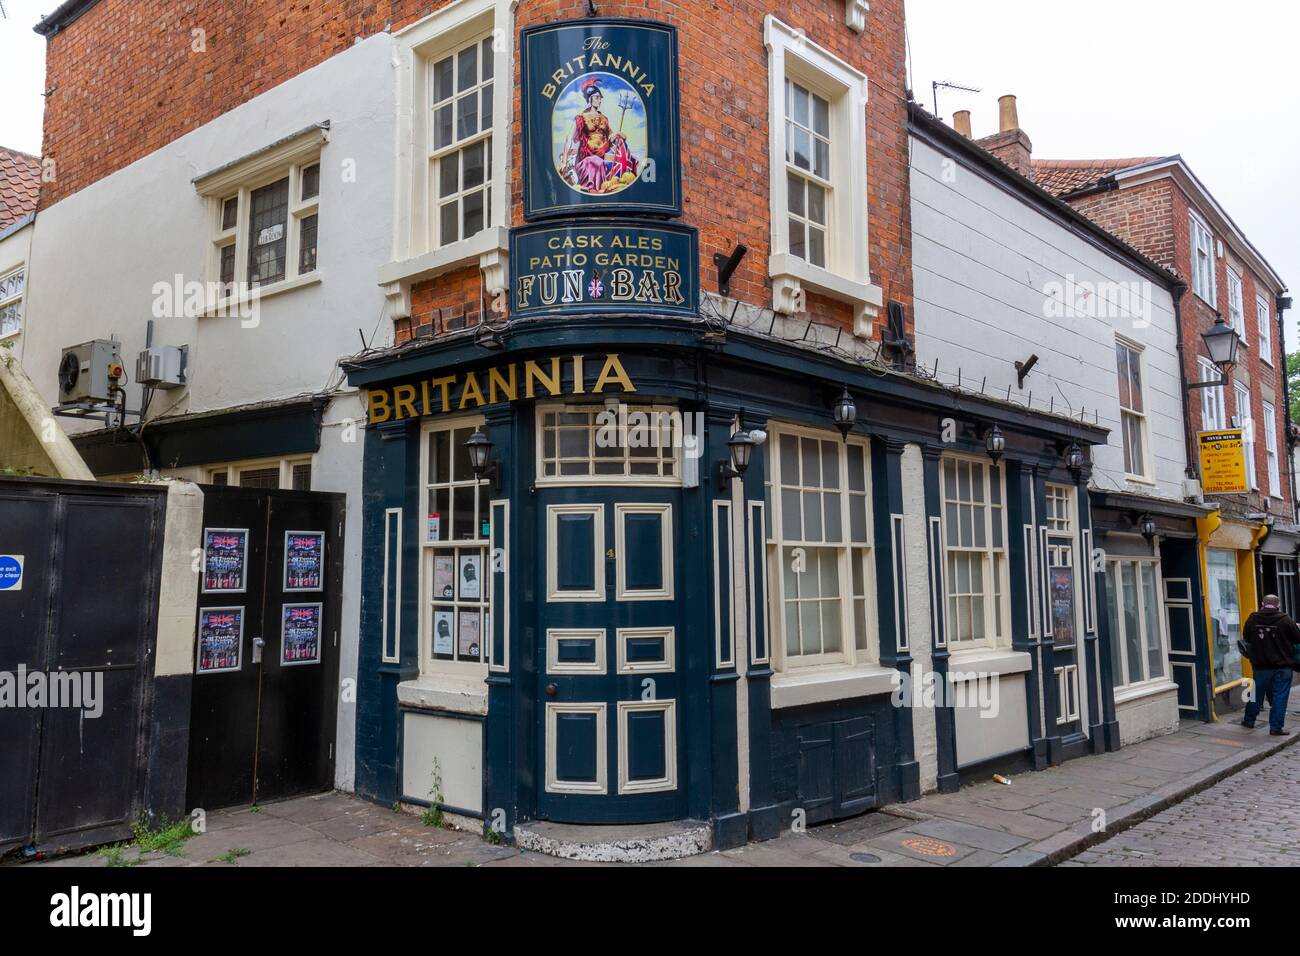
<point>621,159</point>
<point>595,288</point>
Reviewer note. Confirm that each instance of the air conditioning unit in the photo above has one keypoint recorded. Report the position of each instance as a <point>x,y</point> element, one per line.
<point>88,371</point>
<point>162,366</point>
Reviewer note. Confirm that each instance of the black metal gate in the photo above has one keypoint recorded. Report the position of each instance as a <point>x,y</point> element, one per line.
<point>79,576</point>
<point>265,696</point>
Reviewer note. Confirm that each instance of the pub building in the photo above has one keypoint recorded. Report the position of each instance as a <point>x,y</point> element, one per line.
<point>677,531</point>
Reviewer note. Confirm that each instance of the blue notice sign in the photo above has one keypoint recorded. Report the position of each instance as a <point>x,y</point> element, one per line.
<point>11,572</point>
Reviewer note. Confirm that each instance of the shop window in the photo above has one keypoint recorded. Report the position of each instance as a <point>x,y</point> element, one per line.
<point>1270,451</point>
<point>1138,646</point>
<point>454,539</point>
<point>1245,421</point>
<point>1225,614</point>
<point>819,552</point>
<point>975,554</point>
<point>12,287</point>
<point>1132,411</point>
<point>590,444</point>
<point>1286,586</point>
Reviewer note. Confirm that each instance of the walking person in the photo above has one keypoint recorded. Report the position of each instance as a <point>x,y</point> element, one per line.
<point>1270,639</point>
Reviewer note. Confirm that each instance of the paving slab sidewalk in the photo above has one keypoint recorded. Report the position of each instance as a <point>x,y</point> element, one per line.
<point>1041,818</point>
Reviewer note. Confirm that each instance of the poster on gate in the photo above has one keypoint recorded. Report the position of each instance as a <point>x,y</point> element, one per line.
<point>304,560</point>
<point>225,560</point>
<point>300,634</point>
<point>221,636</point>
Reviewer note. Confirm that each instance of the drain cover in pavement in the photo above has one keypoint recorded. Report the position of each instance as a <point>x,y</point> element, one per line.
<point>864,858</point>
<point>928,847</point>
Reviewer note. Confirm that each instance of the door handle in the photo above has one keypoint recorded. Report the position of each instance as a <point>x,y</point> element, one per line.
<point>258,644</point>
<point>551,690</point>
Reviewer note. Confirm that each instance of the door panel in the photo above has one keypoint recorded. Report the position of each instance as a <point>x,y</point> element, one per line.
<point>1062,589</point>
<point>610,685</point>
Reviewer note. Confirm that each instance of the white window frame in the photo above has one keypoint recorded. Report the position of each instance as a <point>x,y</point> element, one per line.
<point>1264,319</point>
<point>847,275</point>
<point>1214,409</point>
<point>20,298</point>
<point>1270,451</point>
<point>238,181</point>
<point>1136,353</point>
<point>1117,640</point>
<point>415,255</point>
<point>849,655</point>
<point>233,469</point>
<point>1245,420</point>
<point>430,549</point>
<point>1202,241</point>
<point>997,586</point>
<point>1236,303</point>
<point>676,459</point>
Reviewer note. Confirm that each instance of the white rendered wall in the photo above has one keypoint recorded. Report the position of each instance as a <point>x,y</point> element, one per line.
<point>983,261</point>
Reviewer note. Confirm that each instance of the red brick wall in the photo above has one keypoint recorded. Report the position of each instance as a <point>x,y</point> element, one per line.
<point>1154,218</point>
<point>127,82</point>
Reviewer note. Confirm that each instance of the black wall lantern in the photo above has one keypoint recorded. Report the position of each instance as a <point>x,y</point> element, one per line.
<point>995,444</point>
<point>479,447</point>
<point>845,413</point>
<point>741,447</point>
<point>1221,342</point>
<point>1147,527</point>
<point>1074,459</point>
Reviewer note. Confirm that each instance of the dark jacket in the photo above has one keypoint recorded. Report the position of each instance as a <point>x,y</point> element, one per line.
<point>1271,637</point>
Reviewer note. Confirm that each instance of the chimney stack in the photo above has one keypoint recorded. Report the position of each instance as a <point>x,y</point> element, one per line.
<point>961,122</point>
<point>1008,116</point>
<point>1010,143</point>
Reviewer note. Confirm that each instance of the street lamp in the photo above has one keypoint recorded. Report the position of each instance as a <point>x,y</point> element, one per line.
<point>845,413</point>
<point>1221,342</point>
<point>740,447</point>
<point>479,448</point>
<point>1074,459</point>
<point>1147,527</point>
<point>995,444</point>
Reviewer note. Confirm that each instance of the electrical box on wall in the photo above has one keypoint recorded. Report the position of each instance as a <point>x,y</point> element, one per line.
<point>88,371</point>
<point>162,366</point>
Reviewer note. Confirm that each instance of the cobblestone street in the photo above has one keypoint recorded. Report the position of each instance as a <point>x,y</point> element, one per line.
<point>1249,819</point>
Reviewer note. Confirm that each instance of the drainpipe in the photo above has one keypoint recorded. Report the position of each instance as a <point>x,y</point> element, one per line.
<point>1284,303</point>
<point>1189,449</point>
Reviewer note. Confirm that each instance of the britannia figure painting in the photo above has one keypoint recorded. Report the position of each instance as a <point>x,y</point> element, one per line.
<point>597,155</point>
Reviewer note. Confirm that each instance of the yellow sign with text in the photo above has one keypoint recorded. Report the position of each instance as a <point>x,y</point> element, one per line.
<point>1223,461</point>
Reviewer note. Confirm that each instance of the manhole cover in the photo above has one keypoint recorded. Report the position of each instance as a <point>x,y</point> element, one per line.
<point>864,858</point>
<point>928,847</point>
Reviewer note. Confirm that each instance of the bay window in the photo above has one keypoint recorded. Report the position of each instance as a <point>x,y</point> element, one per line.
<point>975,553</point>
<point>819,549</point>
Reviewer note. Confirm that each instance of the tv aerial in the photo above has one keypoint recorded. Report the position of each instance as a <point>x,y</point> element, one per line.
<point>937,85</point>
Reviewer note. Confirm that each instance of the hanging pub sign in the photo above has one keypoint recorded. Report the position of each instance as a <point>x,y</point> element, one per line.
<point>605,267</point>
<point>1223,461</point>
<point>600,118</point>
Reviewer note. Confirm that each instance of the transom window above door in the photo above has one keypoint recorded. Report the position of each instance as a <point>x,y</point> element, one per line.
<point>819,549</point>
<point>593,444</point>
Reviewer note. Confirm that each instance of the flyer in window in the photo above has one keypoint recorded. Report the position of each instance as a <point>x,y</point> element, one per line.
<point>434,527</point>
<point>300,629</point>
<point>221,635</point>
<point>469,634</point>
<point>225,559</point>
<point>444,631</point>
<point>471,576</point>
<point>304,560</point>
<point>444,576</point>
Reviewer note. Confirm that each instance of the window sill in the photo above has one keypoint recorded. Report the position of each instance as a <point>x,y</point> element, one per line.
<point>790,275</point>
<point>224,308</point>
<point>460,695</point>
<point>1140,480</point>
<point>990,660</point>
<point>486,249</point>
<point>817,686</point>
<point>1125,694</point>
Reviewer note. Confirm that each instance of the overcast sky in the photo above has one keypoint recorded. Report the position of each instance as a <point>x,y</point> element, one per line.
<point>1215,82</point>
